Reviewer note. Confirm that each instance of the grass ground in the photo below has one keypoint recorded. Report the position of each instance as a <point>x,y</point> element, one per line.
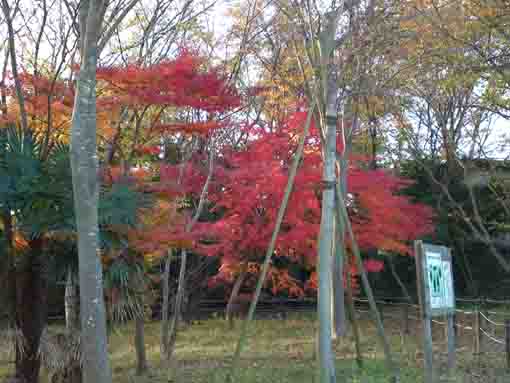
<point>278,351</point>
<point>282,351</point>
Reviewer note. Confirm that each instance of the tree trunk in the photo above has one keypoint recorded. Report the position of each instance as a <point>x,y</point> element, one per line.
<point>14,65</point>
<point>178,304</point>
<point>339,327</point>
<point>72,373</point>
<point>168,344</point>
<point>352,314</point>
<point>324,267</point>
<point>11,271</point>
<point>472,286</point>
<point>31,307</point>
<point>84,166</point>
<point>165,324</point>
<point>141,356</point>
<point>71,303</point>
<point>398,280</point>
<point>339,321</point>
<point>327,226</point>
<point>177,312</point>
<point>233,297</point>
<point>373,141</point>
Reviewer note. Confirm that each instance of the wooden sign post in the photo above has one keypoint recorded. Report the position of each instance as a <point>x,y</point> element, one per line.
<point>437,298</point>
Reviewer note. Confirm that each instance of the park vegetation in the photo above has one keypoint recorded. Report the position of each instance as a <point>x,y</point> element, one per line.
<point>150,159</point>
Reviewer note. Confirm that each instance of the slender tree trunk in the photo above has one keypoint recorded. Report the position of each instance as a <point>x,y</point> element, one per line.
<point>184,255</point>
<point>73,372</point>
<point>373,142</point>
<point>352,314</point>
<point>338,300</point>
<point>233,297</point>
<point>165,324</point>
<point>14,65</point>
<point>339,322</point>
<point>84,165</point>
<point>11,271</point>
<point>472,287</point>
<point>71,303</point>
<point>178,304</point>
<point>328,123</point>
<point>401,284</point>
<point>326,240</point>
<point>32,310</point>
<point>141,356</point>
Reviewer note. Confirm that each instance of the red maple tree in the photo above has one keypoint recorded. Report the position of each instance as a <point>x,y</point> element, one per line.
<point>185,83</point>
<point>179,97</point>
<point>249,189</point>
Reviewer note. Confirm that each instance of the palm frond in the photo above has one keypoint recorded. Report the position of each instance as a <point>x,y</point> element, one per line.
<point>38,191</point>
<point>125,283</point>
<point>13,338</point>
<point>120,203</point>
<point>60,350</point>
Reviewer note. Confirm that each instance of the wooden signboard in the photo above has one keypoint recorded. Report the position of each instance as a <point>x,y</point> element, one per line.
<point>437,298</point>
<point>436,263</point>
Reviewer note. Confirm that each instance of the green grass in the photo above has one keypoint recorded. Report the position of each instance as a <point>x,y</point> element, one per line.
<point>282,351</point>
<point>278,351</point>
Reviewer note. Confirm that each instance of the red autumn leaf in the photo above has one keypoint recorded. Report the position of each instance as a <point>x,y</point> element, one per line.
<point>250,188</point>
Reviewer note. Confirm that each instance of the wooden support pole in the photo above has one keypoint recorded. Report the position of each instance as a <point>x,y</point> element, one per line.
<point>428,350</point>
<point>476,331</point>
<point>426,320</point>
<point>450,326</point>
<point>507,343</point>
<point>405,318</point>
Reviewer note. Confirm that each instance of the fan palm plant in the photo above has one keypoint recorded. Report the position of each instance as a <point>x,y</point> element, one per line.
<point>34,200</point>
<point>36,206</point>
<point>126,286</point>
